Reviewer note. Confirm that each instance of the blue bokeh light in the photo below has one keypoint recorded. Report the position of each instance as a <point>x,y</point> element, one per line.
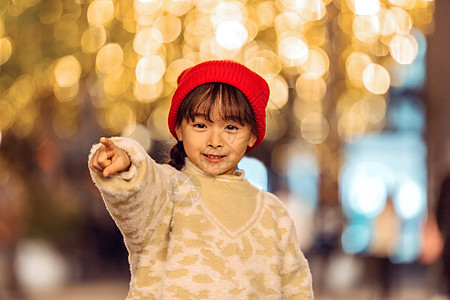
<point>365,188</point>
<point>255,172</point>
<point>356,238</point>
<point>410,200</point>
<point>378,168</point>
<point>407,114</point>
<point>303,177</point>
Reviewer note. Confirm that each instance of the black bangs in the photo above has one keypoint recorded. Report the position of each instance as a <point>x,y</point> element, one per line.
<point>215,101</point>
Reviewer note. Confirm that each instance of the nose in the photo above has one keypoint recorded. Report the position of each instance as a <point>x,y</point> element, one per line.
<point>215,141</point>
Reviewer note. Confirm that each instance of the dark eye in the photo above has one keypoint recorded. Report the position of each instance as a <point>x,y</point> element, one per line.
<point>200,125</point>
<point>231,127</point>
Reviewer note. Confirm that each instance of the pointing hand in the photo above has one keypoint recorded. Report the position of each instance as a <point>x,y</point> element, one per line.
<point>109,159</point>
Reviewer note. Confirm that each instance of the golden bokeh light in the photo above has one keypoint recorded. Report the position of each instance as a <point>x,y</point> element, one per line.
<point>67,71</point>
<point>346,100</point>
<point>366,28</point>
<point>265,62</point>
<point>157,122</point>
<point>150,69</point>
<point>127,17</point>
<point>403,48</point>
<point>317,63</point>
<point>98,98</point>
<point>288,22</point>
<point>403,22</point>
<point>387,22</point>
<point>229,19</point>
<point>406,4</point>
<point>197,23</point>
<point>265,14</point>
<point>364,7</point>
<point>317,35</point>
<point>22,92</point>
<point>147,93</point>
<point>109,58</point>
<point>116,82</point>
<point>302,107</point>
<point>169,28</point>
<point>175,69</point>
<point>312,10</point>
<point>119,116</point>
<point>376,79</point>
<point>294,5</point>
<point>314,128</point>
<point>147,7</point>
<point>144,21</point>
<point>276,127</point>
<point>139,133</point>
<point>292,50</point>
<point>147,41</point>
<point>7,115</point>
<point>128,55</point>
<point>351,126</point>
<point>231,35</point>
<point>279,93</point>
<point>93,39</point>
<point>229,10</point>
<point>374,108</point>
<point>378,48</point>
<point>354,66</point>
<point>207,6</point>
<point>67,92</point>
<point>100,12</point>
<point>252,30</point>
<point>178,7</point>
<point>310,89</point>
<point>6,49</point>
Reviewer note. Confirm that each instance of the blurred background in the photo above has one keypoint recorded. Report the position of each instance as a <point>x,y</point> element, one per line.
<point>357,143</point>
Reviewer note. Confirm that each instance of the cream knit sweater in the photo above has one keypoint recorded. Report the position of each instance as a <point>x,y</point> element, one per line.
<point>194,236</point>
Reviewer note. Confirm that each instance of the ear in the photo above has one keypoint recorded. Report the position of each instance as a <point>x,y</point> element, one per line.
<point>252,140</point>
<point>178,132</point>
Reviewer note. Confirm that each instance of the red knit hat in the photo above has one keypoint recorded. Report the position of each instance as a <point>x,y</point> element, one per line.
<point>253,86</point>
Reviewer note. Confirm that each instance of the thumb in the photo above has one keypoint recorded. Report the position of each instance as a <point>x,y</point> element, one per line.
<point>108,171</point>
<point>116,166</point>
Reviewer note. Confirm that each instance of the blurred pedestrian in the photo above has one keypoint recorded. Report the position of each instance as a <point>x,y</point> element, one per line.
<point>443,221</point>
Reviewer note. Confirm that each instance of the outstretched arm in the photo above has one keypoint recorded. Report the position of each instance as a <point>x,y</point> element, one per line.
<point>133,187</point>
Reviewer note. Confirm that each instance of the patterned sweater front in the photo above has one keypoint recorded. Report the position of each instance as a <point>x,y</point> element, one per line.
<point>194,236</point>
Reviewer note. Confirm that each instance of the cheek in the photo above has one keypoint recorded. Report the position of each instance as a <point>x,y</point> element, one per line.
<point>187,146</point>
<point>241,140</point>
<point>191,144</point>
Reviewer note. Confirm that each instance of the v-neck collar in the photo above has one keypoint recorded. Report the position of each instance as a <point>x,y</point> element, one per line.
<point>189,167</point>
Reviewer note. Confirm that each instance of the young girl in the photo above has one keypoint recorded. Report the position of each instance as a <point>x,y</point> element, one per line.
<point>196,228</point>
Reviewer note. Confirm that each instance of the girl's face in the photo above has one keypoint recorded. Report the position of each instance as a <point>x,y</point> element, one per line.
<point>216,146</point>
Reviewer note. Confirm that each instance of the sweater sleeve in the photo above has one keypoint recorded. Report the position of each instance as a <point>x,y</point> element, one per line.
<point>296,278</point>
<point>136,199</point>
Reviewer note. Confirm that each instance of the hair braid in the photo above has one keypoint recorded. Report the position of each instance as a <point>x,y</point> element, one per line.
<point>177,156</point>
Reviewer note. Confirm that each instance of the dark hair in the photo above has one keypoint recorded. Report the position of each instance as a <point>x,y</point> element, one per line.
<point>206,99</point>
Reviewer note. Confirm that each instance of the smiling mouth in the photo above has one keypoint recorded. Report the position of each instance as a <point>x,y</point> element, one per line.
<point>214,156</point>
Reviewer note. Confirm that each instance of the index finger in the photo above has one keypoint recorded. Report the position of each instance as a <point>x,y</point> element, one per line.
<point>108,144</point>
